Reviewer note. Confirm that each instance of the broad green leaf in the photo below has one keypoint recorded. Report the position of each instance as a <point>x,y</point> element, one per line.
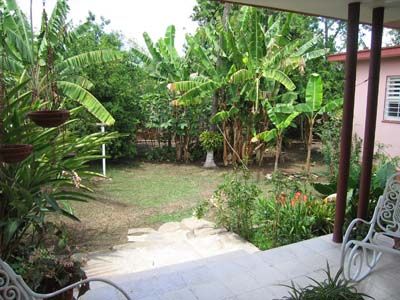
<point>87,100</point>
<point>281,77</point>
<point>332,105</point>
<point>314,92</point>
<point>241,76</point>
<point>267,136</point>
<point>89,58</point>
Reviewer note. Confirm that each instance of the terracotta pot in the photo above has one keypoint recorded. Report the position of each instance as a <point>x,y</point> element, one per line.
<point>49,118</point>
<point>14,153</point>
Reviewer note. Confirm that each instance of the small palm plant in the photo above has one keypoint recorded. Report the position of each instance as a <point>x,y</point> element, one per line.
<point>332,288</point>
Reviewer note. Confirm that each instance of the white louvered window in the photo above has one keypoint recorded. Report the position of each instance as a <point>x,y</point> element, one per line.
<point>392,103</point>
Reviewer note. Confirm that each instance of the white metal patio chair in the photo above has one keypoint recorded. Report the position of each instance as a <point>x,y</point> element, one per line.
<point>360,257</point>
<point>13,287</point>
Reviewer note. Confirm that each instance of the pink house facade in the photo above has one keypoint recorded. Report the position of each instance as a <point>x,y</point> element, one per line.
<point>388,115</point>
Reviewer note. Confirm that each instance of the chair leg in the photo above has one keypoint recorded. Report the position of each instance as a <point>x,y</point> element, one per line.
<point>358,261</point>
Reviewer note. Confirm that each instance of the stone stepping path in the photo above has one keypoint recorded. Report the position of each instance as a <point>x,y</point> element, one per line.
<point>173,243</point>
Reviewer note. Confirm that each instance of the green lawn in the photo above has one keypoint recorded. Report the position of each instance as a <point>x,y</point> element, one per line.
<point>140,195</point>
<point>155,185</point>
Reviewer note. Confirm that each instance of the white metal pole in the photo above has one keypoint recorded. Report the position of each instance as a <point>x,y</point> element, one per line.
<point>103,152</point>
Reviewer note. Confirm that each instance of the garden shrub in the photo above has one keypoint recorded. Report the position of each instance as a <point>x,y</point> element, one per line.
<point>161,154</point>
<point>289,213</point>
<point>211,141</point>
<point>290,219</point>
<point>236,201</point>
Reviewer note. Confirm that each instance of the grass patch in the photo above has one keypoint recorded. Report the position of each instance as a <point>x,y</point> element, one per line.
<point>154,185</point>
<point>170,217</point>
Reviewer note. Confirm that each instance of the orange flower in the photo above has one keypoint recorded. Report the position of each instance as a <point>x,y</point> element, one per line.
<point>305,198</point>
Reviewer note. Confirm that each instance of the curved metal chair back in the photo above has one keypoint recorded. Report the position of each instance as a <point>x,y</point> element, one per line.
<point>13,286</point>
<point>389,207</point>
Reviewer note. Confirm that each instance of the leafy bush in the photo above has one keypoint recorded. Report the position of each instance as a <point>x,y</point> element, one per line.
<point>332,288</point>
<point>47,270</point>
<point>235,201</point>
<point>289,214</point>
<point>384,166</point>
<point>211,141</point>
<point>290,219</point>
<point>165,154</point>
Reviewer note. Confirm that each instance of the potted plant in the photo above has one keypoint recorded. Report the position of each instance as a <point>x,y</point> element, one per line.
<point>332,288</point>
<point>48,270</point>
<point>9,152</point>
<point>210,141</point>
<point>54,116</point>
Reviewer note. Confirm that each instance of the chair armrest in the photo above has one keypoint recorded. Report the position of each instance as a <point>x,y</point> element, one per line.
<point>74,285</point>
<point>351,226</point>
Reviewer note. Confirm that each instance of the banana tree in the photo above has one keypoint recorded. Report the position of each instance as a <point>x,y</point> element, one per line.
<point>314,107</point>
<point>211,80</point>
<point>40,59</point>
<point>269,56</point>
<point>163,63</point>
<point>282,116</point>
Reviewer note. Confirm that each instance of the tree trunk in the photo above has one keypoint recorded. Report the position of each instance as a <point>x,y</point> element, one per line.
<point>226,137</point>
<point>209,163</point>
<point>178,148</point>
<point>309,146</point>
<point>186,153</point>
<point>277,152</point>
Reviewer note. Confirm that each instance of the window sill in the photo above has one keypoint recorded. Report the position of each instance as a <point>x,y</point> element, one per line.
<point>391,121</point>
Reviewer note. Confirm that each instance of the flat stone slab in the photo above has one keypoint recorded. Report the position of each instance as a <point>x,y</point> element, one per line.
<point>169,227</point>
<point>173,243</point>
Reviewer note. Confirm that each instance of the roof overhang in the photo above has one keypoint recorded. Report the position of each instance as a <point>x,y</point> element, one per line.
<point>388,52</point>
<point>336,9</point>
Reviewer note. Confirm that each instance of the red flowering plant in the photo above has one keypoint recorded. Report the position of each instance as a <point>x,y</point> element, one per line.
<point>292,212</point>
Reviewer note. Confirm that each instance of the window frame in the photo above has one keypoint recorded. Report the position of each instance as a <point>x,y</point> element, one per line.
<point>386,117</point>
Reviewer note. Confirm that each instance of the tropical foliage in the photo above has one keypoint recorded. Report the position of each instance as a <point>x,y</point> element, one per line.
<point>36,75</point>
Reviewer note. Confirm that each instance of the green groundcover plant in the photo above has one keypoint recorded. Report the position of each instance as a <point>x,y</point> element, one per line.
<point>332,288</point>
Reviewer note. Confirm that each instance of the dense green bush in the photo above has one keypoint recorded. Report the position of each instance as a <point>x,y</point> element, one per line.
<point>161,154</point>
<point>211,141</point>
<point>288,214</point>
<point>292,219</point>
<point>236,201</point>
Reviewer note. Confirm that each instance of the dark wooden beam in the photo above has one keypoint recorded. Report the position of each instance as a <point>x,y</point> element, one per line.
<point>348,113</point>
<point>372,106</point>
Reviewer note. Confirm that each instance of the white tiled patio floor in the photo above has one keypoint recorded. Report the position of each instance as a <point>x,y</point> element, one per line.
<point>240,275</point>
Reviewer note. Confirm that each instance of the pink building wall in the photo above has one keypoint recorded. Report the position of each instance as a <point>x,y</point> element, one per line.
<point>387,132</point>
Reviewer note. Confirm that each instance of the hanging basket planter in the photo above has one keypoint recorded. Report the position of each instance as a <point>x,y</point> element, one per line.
<point>14,153</point>
<point>49,118</point>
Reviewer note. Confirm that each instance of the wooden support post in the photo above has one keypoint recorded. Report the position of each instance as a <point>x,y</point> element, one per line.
<point>372,106</point>
<point>348,113</point>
